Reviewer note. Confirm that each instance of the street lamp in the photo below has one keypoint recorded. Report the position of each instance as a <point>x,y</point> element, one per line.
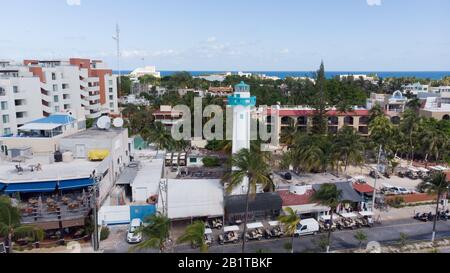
<point>93,200</point>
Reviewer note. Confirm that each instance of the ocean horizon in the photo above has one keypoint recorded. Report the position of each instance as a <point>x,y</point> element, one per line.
<point>432,75</point>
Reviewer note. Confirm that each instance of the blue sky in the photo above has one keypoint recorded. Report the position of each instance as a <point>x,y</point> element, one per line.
<point>234,34</point>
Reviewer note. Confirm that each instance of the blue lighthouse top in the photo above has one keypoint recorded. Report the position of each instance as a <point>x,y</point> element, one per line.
<point>236,99</point>
<point>242,87</point>
<point>242,84</point>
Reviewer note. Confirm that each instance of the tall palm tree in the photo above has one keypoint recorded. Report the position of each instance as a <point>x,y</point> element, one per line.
<point>10,226</point>
<point>160,136</point>
<point>155,233</point>
<point>409,125</point>
<point>288,134</point>
<point>249,166</point>
<point>195,234</point>
<point>381,131</point>
<point>349,147</point>
<point>436,184</point>
<point>290,220</point>
<point>328,195</point>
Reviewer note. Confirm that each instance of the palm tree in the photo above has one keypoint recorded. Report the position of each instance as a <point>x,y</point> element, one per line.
<point>328,195</point>
<point>290,221</point>
<point>436,184</point>
<point>249,166</point>
<point>381,131</point>
<point>410,127</point>
<point>155,233</point>
<point>288,134</point>
<point>10,226</point>
<point>361,237</point>
<point>349,147</point>
<point>160,136</point>
<point>195,234</point>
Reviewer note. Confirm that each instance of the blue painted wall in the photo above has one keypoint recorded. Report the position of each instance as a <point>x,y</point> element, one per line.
<point>142,212</point>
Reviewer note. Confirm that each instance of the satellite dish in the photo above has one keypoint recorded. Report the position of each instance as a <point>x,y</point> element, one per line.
<point>118,122</point>
<point>104,123</point>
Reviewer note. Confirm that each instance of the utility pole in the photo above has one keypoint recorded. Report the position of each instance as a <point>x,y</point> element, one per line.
<point>376,175</point>
<point>93,191</point>
<point>117,39</point>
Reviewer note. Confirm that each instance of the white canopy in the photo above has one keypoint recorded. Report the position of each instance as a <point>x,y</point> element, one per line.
<point>366,213</point>
<point>208,231</point>
<point>349,215</point>
<point>39,126</point>
<point>327,217</point>
<point>255,225</point>
<point>422,169</point>
<point>414,169</point>
<point>231,228</point>
<point>274,223</point>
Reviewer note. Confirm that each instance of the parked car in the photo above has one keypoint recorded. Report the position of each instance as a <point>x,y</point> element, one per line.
<point>307,227</point>
<point>412,175</point>
<point>133,235</point>
<point>366,218</point>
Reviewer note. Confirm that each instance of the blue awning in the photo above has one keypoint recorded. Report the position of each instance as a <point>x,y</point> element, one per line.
<point>2,186</point>
<point>75,184</point>
<point>31,187</point>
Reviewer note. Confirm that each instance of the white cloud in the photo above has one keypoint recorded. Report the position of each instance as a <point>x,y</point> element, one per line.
<point>73,2</point>
<point>212,39</point>
<point>285,51</point>
<point>374,2</point>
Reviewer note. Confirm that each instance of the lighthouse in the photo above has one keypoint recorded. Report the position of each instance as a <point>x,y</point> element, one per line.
<point>241,102</point>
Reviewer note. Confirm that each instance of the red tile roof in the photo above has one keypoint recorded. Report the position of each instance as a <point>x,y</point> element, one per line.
<point>363,188</point>
<point>298,113</point>
<point>291,199</point>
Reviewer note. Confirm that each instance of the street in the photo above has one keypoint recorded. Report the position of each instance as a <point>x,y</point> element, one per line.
<point>387,232</point>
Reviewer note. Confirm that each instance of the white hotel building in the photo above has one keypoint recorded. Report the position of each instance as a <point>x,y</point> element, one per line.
<point>35,89</point>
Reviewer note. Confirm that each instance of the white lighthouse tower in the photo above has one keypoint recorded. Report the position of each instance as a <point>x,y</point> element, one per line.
<point>241,102</point>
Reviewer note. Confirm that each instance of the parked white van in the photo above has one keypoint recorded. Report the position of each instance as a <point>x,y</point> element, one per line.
<point>307,227</point>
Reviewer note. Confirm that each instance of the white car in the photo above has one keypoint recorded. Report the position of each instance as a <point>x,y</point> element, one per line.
<point>401,190</point>
<point>134,237</point>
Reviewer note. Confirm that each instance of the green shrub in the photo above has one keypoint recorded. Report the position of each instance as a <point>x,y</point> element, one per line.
<point>211,161</point>
<point>104,233</point>
<point>396,202</point>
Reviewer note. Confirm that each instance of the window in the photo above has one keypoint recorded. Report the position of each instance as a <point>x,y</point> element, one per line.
<point>111,97</point>
<point>15,89</point>
<point>55,87</point>
<point>4,105</point>
<point>111,105</point>
<point>5,118</point>
<point>110,82</point>
<point>65,86</point>
<point>55,98</point>
<point>7,131</point>
<point>66,96</point>
<point>110,90</point>
<point>56,108</point>
<point>21,114</point>
<point>54,76</point>
<point>193,160</point>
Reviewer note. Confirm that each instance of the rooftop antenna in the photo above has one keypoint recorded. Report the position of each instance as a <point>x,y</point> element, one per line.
<point>117,39</point>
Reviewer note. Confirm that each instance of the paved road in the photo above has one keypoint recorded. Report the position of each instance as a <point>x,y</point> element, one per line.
<point>382,233</point>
